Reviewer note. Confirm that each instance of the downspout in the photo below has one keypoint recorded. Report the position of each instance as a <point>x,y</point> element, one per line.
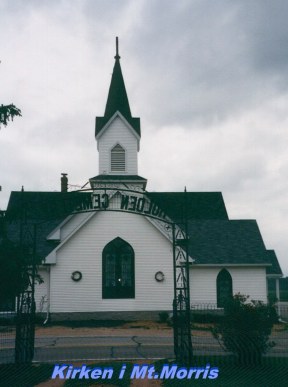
<point>48,298</point>
<point>278,301</point>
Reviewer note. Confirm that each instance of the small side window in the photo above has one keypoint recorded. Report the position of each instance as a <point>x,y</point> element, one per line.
<point>224,288</point>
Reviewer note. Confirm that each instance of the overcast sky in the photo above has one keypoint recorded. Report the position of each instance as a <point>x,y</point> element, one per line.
<point>208,78</point>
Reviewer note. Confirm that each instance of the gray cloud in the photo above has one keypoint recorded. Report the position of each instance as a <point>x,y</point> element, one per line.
<point>208,79</point>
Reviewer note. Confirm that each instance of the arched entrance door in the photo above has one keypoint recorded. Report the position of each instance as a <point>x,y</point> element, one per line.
<point>118,270</point>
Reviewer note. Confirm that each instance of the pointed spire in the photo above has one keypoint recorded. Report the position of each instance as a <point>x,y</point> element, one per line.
<point>117,98</point>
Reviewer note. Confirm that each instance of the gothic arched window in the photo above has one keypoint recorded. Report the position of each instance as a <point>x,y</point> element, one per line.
<point>224,288</point>
<point>118,163</point>
<point>118,278</point>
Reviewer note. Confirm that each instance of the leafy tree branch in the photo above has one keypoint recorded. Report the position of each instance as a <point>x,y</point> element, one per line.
<point>7,113</point>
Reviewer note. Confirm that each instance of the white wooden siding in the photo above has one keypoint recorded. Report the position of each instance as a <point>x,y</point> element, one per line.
<point>118,133</point>
<point>74,222</point>
<point>251,282</point>
<point>83,252</point>
<point>41,291</point>
<point>203,285</point>
<point>246,280</point>
<point>153,252</point>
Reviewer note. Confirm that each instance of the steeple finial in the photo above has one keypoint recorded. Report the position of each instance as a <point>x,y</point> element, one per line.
<point>117,56</point>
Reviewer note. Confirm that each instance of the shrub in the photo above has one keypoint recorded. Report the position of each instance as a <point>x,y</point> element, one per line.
<point>245,329</point>
<point>163,317</point>
<point>206,317</point>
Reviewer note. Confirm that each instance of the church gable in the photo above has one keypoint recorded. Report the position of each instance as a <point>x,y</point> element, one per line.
<point>110,201</point>
<point>86,251</point>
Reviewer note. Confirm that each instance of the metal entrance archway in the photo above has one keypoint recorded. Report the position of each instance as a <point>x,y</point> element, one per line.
<point>121,198</point>
<point>138,202</point>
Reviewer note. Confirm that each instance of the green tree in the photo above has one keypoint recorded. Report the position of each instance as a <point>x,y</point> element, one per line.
<point>246,328</point>
<point>14,271</point>
<point>8,112</point>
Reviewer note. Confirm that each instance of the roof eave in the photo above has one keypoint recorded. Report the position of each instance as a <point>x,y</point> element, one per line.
<point>109,122</point>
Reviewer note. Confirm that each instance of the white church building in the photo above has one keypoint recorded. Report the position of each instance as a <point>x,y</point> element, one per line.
<point>107,251</point>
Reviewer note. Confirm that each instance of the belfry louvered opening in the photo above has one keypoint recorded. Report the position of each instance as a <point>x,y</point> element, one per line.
<point>117,159</point>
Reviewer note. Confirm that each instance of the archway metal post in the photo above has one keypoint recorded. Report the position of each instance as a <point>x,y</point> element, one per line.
<point>25,314</point>
<point>181,303</point>
<point>26,306</point>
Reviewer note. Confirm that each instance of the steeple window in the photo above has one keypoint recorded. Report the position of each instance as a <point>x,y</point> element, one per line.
<point>118,162</point>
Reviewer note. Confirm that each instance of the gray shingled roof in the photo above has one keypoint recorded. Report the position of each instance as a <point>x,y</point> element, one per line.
<point>46,210</point>
<point>275,268</point>
<point>43,205</point>
<point>214,239</point>
<point>57,205</point>
<point>226,241</point>
<point>43,247</point>
<point>199,205</point>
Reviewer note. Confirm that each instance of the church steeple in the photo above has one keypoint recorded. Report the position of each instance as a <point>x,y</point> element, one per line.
<point>117,100</point>
<point>118,137</point>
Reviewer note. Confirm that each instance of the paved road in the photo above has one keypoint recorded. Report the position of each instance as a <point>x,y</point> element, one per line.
<point>107,347</point>
<point>59,349</point>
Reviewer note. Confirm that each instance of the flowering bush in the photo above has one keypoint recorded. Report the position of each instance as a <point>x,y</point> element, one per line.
<point>246,328</point>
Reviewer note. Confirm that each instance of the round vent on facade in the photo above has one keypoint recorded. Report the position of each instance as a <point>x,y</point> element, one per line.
<point>76,276</point>
<point>159,276</point>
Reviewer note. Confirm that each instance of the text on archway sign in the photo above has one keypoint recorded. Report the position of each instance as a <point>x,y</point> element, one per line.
<point>129,203</point>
